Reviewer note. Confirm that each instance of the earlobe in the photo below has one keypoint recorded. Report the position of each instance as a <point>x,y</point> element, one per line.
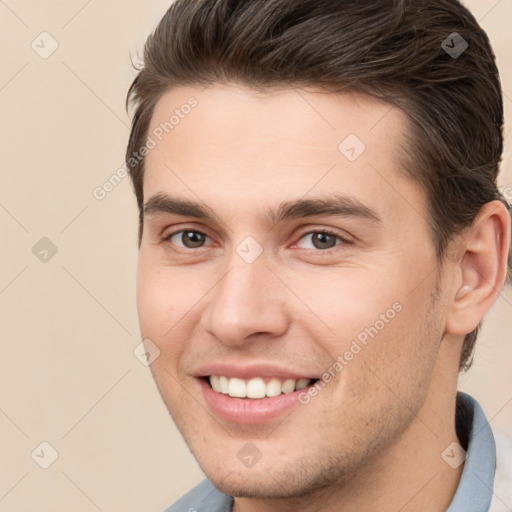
<point>481,268</point>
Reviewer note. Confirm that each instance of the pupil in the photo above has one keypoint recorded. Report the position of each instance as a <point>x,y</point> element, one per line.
<point>192,239</point>
<point>323,241</point>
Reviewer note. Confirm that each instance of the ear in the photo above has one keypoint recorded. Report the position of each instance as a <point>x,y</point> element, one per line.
<point>481,268</point>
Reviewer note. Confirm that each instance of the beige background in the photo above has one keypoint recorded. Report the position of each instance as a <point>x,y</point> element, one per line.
<point>68,375</point>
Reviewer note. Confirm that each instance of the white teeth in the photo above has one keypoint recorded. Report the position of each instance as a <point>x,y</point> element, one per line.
<point>273,387</point>
<point>302,383</point>
<point>288,386</point>
<point>237,388</point>
<point>256,388</point>
<point>223,384</point>
<point>214,381</point>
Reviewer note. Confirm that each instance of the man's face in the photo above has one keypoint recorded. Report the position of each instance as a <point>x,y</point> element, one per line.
<point>256,293</point>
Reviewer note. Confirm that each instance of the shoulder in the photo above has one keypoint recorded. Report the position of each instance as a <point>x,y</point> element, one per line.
<point>502,497</point>
<point>204,497</point>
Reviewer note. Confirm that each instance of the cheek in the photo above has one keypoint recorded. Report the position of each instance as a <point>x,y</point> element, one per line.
<point>154,303</point>
<point>161,303</point>
<point>346,303</point>
<point>164,293</point>
<point>372,323</point>
<point>398,361</point>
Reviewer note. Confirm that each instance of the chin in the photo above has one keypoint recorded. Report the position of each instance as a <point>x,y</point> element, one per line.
<point>257,488</point>
<point>270,481</point>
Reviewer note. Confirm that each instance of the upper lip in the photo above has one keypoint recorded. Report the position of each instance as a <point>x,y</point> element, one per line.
<point>250,371</point>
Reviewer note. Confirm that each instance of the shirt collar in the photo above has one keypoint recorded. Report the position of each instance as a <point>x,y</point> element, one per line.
<point>475,488</point>
<point>476,484</point>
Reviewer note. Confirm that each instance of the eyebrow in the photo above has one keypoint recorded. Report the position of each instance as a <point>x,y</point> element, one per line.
<point>334,204</point>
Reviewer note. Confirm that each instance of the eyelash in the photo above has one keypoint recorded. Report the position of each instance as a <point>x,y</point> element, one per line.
<point>343,240</point>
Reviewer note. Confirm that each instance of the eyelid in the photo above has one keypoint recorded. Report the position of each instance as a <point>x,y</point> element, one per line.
<point>176,231</point>
<point>345,240</point>
<point>168,236</point>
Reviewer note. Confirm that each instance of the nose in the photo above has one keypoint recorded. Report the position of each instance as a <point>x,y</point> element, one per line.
<point>247,303</point>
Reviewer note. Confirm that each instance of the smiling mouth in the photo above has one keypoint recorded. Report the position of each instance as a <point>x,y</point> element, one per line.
<point>257,387</point>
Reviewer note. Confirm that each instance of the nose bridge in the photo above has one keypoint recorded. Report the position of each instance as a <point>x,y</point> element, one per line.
<point>240,286</point>
<point>244,302</point>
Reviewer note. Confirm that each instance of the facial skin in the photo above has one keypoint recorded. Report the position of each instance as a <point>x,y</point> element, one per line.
<point>372,438</point>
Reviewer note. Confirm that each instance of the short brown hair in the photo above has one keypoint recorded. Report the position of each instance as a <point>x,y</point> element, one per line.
<point>410,54</point>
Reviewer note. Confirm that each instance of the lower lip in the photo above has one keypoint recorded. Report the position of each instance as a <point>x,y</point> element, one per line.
<point>248,411</point>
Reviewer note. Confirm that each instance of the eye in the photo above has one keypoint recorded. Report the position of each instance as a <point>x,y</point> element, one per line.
<point>187,238</point>
<point>322,240</point>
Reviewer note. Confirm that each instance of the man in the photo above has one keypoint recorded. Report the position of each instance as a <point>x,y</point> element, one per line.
<point>321,235</point>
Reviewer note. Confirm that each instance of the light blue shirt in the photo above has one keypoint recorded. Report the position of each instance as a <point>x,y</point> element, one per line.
<point>473,494</point>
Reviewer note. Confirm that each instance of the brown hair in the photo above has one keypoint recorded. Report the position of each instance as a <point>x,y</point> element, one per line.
<point>404,52</point>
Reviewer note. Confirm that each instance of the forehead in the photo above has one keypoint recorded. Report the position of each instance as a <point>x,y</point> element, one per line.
<point>224,140</point>
<point>220,114</point>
